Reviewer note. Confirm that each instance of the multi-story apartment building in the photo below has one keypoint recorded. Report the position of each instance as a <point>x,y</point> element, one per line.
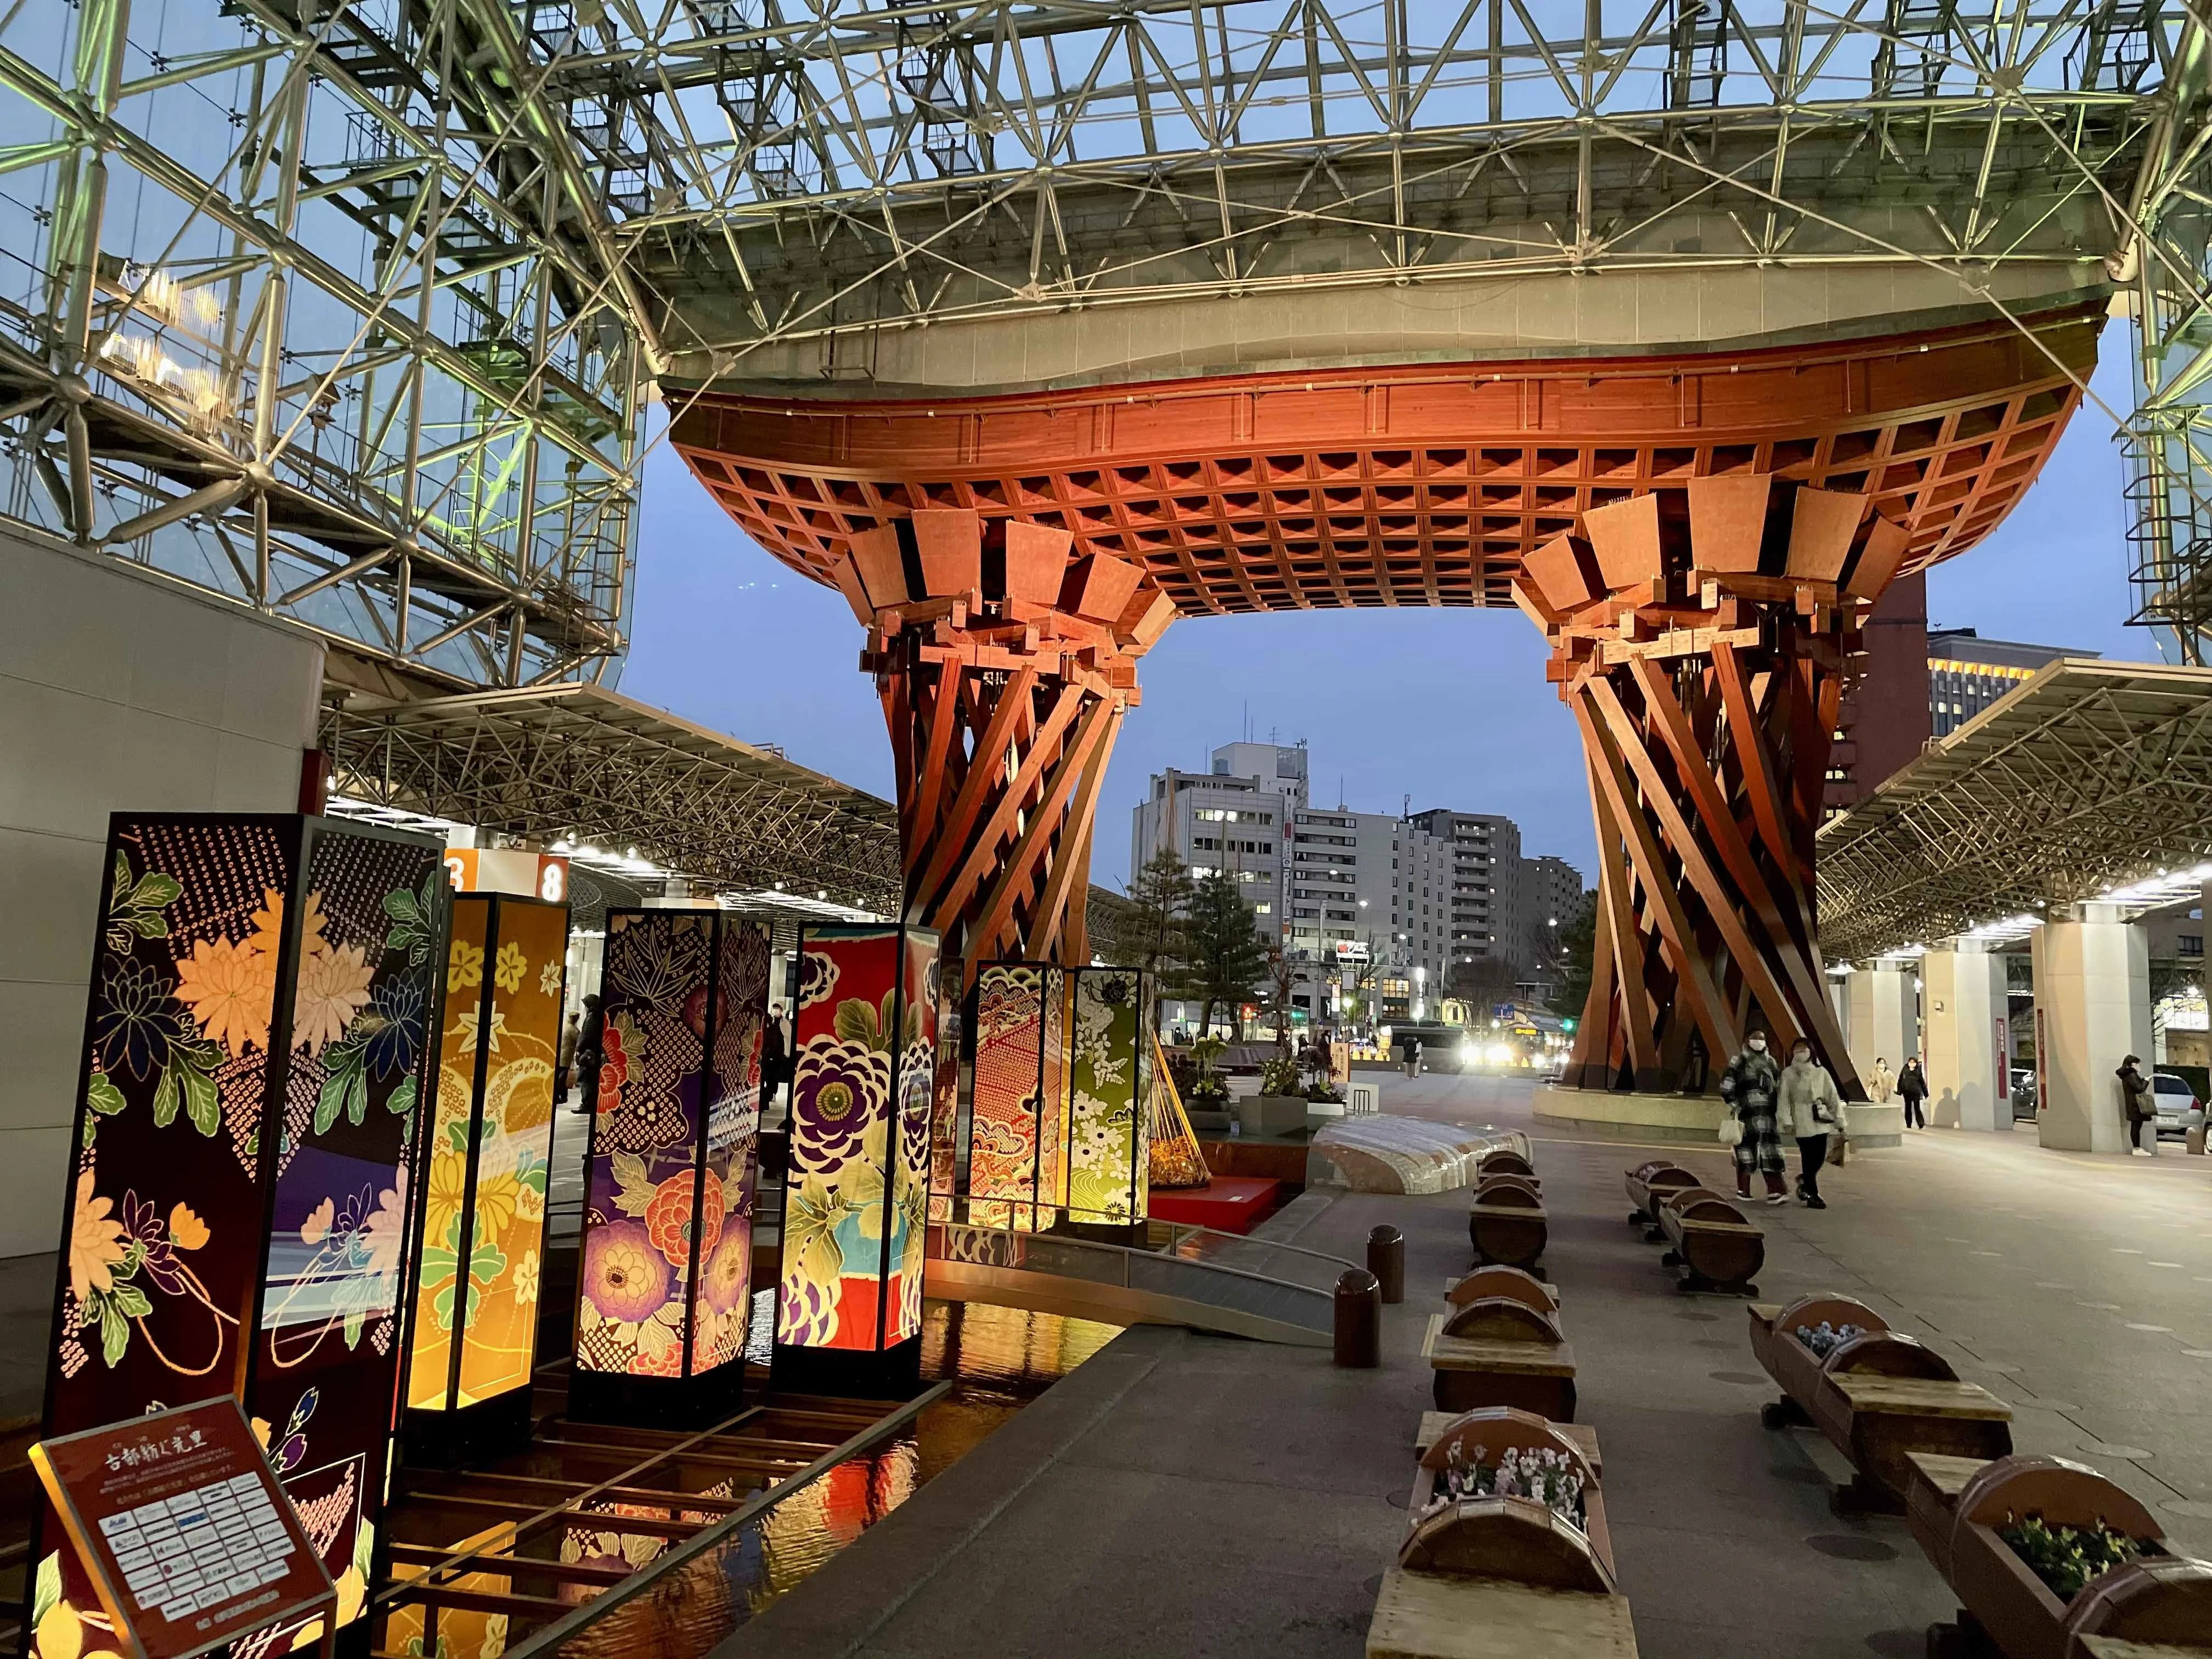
<point>1228,819</point>
<point>1551,894</point>
<point>1359,900</point>
<point>1486,897</point>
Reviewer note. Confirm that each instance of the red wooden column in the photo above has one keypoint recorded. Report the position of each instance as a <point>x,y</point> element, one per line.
<point>1701,637</point>
<point>1005,667</point>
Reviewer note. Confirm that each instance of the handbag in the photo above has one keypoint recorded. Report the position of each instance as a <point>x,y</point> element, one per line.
<point>1731,1130</point>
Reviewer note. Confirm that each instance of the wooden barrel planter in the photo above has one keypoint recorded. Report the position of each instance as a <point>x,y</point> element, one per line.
<point>1505,1160</point>
<point>1501,1351</point>
<point>1657,1175</point>
<point>1716,1248</point>
<point>1479,1574</point>
<point>1514,1284</point>
<point>1505,1223</point>
<point>1962,1510</point>
<point>1877,1397</point>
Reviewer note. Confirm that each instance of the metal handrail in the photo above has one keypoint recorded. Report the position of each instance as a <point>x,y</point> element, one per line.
<point>1125,1257</point>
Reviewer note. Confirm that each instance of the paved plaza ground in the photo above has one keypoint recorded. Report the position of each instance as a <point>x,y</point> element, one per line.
<point>1184,1494</point>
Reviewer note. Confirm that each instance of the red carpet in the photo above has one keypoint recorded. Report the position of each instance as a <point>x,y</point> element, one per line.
<point>1229,1204</point>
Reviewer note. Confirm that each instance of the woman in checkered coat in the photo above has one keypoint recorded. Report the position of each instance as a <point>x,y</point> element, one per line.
<point>1748,1088</point>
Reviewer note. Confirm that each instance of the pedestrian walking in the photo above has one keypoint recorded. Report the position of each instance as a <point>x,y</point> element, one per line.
<point>1880,1083</point>
<point>1413,1056</point>
<point>565,1062</point>
<point>2136,1103</point>
<point>1807,1106</point>
<point>591,1053</point>
<point>773,1052</point>
<point>1913,1089</point>
<point>1747,1089</point>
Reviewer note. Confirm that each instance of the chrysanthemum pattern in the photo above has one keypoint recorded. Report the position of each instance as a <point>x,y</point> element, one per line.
<point>818,973</point>
<point>837,1091</point>
<point>181,1148</point>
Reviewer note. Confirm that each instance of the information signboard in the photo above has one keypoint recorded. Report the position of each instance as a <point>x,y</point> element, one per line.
<point>190,1541</point>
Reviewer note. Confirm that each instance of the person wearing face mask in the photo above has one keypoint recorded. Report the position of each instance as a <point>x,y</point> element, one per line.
<point>1808,1105</point>
<point>1748,1088</point>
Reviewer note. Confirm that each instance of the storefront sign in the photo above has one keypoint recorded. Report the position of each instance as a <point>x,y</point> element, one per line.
<point>189,1539</point>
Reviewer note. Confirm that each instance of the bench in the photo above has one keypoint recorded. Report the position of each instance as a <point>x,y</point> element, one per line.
<point>2161,1599</point>
<point>1876,1398</point>
<point>1501,1578</point>
<point>1496,1351</point>
<point>1707,1237</point>
<point>1505,1223</point>
<point>1645,1179</point>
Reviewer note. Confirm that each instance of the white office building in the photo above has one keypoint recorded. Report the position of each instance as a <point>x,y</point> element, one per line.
<point>1232,818</point>
<point>1369,903</point>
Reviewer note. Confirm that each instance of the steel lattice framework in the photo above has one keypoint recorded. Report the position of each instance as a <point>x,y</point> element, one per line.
<point>580,762</point>
<point>298,306</point>
<point>2091,776</point>
<point>349,310</point>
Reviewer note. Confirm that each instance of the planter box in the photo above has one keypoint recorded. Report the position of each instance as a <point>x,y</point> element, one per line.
<point>1271,1114</point>
<point>1211,1123</point>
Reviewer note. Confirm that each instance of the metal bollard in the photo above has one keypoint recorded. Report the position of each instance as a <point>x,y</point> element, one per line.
<point>1386,1260</point>
<point>1359,1319</point>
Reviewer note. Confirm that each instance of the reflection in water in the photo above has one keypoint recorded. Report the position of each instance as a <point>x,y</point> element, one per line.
<point>998,1359</point>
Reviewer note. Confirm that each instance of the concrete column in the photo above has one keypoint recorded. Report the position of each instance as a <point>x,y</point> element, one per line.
<point>1885,1017</point>
<point>1969,1077</point>
<point>2092,1010</point>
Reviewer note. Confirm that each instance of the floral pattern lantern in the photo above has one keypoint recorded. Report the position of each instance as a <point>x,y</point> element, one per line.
<point>490,1141</point>
<point>1017,1124</point>
<point>848,1317</point>
<point>664,1290</point>
<point>248,1111</point>
<point>1109,1075</point>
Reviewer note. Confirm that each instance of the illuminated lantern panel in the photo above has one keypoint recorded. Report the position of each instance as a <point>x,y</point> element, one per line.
<point>483,1197</point>
<point>1109,1072</point>
<point>256,1057</point>
<point>1017,1104</point>
<point>848,1317</point>
<point>666,1281</point>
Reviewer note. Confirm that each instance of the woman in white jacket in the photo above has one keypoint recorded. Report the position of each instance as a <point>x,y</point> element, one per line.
<point>1808,1105</point>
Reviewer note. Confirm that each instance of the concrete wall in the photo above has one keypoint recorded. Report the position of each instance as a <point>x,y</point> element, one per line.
<point>117,690</point>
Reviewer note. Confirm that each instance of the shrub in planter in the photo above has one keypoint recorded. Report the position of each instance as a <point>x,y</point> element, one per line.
<point>2066,1557</point>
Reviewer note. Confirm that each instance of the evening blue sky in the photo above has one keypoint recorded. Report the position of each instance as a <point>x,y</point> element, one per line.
<point>1449,707</point>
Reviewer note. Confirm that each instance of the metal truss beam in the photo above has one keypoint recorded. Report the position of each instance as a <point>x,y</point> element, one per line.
<point>580,762</point>
<point>2090,776</point>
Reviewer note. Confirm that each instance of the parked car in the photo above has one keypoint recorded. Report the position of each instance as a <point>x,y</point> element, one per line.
<point>2178,1107</point>
<point>2023,1095</point>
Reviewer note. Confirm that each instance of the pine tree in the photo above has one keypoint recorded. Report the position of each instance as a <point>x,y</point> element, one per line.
<point>1149,930</point>
<point>1224,957</point>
